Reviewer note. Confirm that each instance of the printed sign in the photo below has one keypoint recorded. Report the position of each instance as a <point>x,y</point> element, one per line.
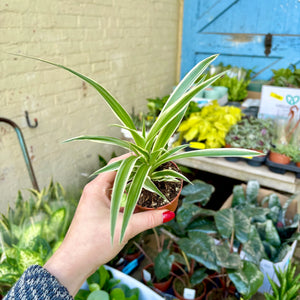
<point>189,293</point>
<point>276,102</point>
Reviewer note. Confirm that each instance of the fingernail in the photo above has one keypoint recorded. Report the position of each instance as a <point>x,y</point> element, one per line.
<point>168,216</point>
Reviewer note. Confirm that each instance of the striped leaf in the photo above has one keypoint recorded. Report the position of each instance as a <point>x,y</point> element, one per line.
<point>168,173</point>
<point>121,180</point>
<point>110,167</point>
<point>133,195</point>
<point>173,110</point>
<point>101,139</point>
<point>216,152</point>
<point>115,106</point>
<point>150,186</point>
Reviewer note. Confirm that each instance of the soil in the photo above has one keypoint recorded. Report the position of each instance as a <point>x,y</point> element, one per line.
<point>168,188</point>
<point>218,294</point>
<point>179,286</point>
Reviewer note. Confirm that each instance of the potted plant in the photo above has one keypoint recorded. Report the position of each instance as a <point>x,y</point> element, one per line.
<point>251,133</point>
<point>286,77</point>
<point>159,270</point>
<point>216,252</point>
<point>236,81</point>
<point>282,153</point>
<point>102,285</point>
<point>208,128</point>
<point>288,285</point>
<point>140,172</point>
<point>32,231</point>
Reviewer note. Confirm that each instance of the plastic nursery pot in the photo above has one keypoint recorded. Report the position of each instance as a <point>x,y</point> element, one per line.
<point>162,286</point>
<point>133,256</point>
<point>170,206</point>
<point>178,288</point>
<point>279,158</point>
<point>298,164</point>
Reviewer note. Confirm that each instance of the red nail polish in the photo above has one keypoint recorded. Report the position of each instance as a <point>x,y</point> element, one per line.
<point>168,216</point>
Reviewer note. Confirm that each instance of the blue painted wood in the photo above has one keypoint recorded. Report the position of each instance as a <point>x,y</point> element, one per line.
<point>236,29</point>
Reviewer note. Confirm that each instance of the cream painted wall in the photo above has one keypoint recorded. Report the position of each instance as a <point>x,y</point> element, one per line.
<point>129,46</point>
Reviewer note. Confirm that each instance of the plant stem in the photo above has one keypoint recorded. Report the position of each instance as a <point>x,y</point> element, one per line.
<point>143,251</point>
<point>157,240</point>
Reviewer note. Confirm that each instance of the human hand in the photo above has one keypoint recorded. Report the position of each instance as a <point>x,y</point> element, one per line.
<point>87,244</point>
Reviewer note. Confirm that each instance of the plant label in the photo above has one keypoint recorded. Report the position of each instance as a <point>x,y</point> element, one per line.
<point>147,275</point>
<point>189,293</point>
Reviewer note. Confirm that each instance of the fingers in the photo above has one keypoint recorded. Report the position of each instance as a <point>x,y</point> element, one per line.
<point>146,220</point>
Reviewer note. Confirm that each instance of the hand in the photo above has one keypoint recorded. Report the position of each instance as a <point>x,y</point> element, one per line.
<point>87,244</point>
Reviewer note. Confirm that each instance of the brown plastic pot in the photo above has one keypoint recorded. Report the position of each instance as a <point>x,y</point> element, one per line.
<point>210,293</point>
<point>279,158</point>
<point>170,206</point>
<point>179,296</point>
<point>162,286</point>
<point>132,256</point>
<point>298,164</point>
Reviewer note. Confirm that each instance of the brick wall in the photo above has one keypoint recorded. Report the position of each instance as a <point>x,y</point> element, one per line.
<point>129,46</point>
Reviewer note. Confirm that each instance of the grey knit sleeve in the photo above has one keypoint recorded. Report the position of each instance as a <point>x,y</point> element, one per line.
<point>38,284</point>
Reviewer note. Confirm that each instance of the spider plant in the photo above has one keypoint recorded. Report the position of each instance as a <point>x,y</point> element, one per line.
<point>140,170</point>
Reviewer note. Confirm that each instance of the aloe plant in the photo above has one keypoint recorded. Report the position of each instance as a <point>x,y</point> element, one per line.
<point>289,284</point>
<point>140,170</point>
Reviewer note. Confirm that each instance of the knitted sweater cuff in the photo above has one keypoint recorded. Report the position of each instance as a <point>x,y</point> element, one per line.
<point>37,283</point>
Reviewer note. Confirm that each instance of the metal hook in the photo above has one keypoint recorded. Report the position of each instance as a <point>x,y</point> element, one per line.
<point>28,120</point>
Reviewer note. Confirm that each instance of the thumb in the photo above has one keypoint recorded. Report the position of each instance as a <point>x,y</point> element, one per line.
<point>148,219</point>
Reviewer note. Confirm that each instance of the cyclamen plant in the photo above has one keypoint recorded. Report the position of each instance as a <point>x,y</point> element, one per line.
<point>140,170</point>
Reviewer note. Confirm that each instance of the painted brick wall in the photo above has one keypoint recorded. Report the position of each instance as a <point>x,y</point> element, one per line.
<point>129,46</point>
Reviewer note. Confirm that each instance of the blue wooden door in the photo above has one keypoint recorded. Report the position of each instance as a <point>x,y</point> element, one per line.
<point>237,29</point>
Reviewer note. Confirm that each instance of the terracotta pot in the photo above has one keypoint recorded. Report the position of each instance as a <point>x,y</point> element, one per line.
<point>279,158</point>
<point>133,256</point>
<point>298,164</point>
<point>179,296</point>
<point>162,286</point>
<point>170,206</point>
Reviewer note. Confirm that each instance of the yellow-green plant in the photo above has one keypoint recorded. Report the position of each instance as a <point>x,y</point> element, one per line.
<point>140,170</point>
<point>208,128</point>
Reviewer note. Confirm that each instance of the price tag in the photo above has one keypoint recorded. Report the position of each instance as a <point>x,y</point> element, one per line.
<point>189,293</point>
<point>147,275</point>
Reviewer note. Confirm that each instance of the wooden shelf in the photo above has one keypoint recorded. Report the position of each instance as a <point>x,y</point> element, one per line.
<point>242,171</point>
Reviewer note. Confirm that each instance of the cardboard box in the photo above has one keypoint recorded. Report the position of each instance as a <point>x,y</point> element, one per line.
<point>266,266</point>
<point>276,101</point>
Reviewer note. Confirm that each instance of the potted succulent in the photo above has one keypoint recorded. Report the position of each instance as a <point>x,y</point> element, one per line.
<point>289,77</point>
<point>140,171</point>
<point>288,285</point>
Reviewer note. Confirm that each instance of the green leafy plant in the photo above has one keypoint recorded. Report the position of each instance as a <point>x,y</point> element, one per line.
<point>251,133</point>
<point>289,284</point>
<point>140,170</point>
<point>275,231</point>
<point>32,231</point>
<point>236,80</point>
<point>102,285</point>
<point>289,77</point>
<point>289,150</point>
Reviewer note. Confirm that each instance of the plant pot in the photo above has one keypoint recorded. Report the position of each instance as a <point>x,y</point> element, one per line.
<point>178,288</point>
<point>298,164</point>
<point>170,206</point>
<point>218,294</point>
<point>279,158</point>
<point>132,256</point>
<point>162,286</point>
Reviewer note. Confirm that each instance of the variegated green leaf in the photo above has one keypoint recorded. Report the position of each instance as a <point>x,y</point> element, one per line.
<point>133,195</point>
<point>216,152</point>
<point>101,139</point>
<point>150,186</point>
<point>110,167</point>
<point>168,173</point>
<point>119,188</point>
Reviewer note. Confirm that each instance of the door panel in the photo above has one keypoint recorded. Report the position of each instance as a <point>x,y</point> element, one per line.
<point>236,29</point>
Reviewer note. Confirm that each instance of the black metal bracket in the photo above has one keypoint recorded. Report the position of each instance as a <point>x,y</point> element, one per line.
<point>268,43</point>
